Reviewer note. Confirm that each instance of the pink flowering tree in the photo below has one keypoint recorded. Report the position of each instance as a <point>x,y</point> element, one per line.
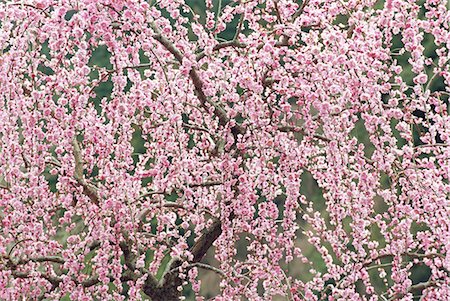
<point>287,149</point>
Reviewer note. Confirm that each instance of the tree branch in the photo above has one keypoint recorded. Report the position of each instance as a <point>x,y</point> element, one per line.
<point>4,187</point>
<point>300,10</point>
<point>25,275</point>
<point>194,185</point>
<point>195,127</point>
<point>206,267</point>
<point>31,6</point>
<point>409,254</point>
<point>416,288</point>
<point>232,43</point>
<point>54,259</point>
<point>88,189</point>
<point>205,241</point>
<point>296,129</point>
<point>277,12</point>
<point>219,111</point>
<point>55,280</point>
<point>421,286</point>
<point>167,288</point>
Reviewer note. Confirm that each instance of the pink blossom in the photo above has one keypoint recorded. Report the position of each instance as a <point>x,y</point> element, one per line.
<point>421,79</point>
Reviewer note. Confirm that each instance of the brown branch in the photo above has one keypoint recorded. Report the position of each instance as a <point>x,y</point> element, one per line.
<point>205,241</point>
<point>195,127</point>
<point>300,10</point>
<point>195,185</point>
<point>129,257</point>
<point>167,288</point>
<point>88,189</point>
<point>25,275</point>
<point>54,259</point>
<point>232,43</point>
<point>16,244</point>
<point>239,27</point>
<point>103,78</point>
<point>127,275</point>
<point>55,280</point>
<point>296,129</point>
<point>194,77</point>
<point>219,111</point>
<point>146,65</point>
<point>416,288</point>
<point>268,81</point>
<point>235,43</point>
<point>210,267</point>
<point>53,161</point>
<point>409,254</point>
<point>206,267</point>
<point>277,12</point>
<point>31,6</point>
<point>206,184</point>
<point>94,245</point>
<point>421,286</point>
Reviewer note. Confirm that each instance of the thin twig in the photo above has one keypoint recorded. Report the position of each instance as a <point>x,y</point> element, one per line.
<point>277,12</point>
<point>300,10</point>
<point>195,127</point>
<point>32,6</point>
<point>296,129</point>
<point>409,254</point>
<point>232,43</point>
<point>203,266</point>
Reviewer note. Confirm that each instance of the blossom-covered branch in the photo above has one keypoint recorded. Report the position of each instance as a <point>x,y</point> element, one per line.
<point>229,149</point>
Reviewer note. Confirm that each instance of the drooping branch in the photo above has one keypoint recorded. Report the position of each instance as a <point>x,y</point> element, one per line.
<point>232,43</point>
<point>129,257</point>
<point>88,189</point>
<point>415,289</point>
<point>195,127</point>
<point>421,286</point>
<point>209,267</point>
<point>31,6</point>
<point>202,245</point>
<point>56,280</point>
<point>219,111</point>
<point>296,129</point>
<point>236,44</point>
<point>24,275</point>
<point>408,254</point>
<point>53,259</point>
<point>206,184</point>
<point>300,10</point>
<point>194,185</point>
